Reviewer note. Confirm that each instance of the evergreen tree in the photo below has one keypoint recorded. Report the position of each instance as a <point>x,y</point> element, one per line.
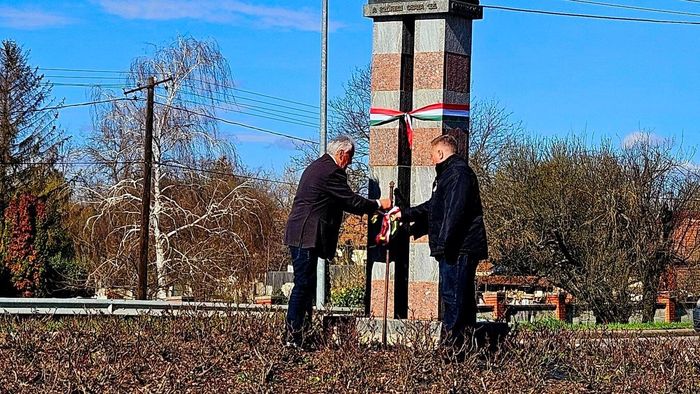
<point>32,240</point>
<point>29,140</point>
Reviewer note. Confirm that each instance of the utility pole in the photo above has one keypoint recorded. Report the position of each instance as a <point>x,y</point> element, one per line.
<point>321,265</point>
<point>324,78</point>
<point>142,285</point>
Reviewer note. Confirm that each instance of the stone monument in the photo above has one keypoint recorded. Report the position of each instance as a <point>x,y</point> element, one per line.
<point>421,56</point>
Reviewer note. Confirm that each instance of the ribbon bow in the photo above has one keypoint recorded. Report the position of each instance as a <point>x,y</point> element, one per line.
<point>433,112</point>
<point>389,226</point>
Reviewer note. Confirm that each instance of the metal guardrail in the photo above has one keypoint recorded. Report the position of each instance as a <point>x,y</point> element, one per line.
<point>91,306</point>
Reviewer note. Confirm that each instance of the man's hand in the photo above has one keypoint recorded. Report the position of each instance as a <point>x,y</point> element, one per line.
<point>385,203</point>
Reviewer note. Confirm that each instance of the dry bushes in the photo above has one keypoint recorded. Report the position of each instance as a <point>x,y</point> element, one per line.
<point>243,353</point>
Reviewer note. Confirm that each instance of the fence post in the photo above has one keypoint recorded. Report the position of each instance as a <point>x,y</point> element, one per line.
<point>497,300</point>
<point>559,301</point>
<point>669,303</point>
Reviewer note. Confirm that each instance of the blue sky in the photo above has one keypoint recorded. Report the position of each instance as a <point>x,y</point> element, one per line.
<point>558,75</point>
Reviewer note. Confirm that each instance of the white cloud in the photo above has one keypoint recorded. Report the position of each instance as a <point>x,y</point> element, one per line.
<point>641,137</point>
<point>30,18</point>
<point>266,139</point>
<point>222,11</point>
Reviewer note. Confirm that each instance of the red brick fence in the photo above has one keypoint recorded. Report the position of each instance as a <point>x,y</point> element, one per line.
<point>558,307</point>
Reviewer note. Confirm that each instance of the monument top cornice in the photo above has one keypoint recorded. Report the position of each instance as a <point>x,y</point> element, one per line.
<point>469,9</point>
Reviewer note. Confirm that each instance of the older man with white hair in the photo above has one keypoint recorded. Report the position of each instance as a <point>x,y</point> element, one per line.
<point>314,224</point>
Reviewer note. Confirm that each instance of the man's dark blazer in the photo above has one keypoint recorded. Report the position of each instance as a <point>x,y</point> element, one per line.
<point>317,213</point>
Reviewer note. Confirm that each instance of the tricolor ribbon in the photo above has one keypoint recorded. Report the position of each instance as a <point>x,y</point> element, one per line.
<point>389,226</point>
<point>433,112</point>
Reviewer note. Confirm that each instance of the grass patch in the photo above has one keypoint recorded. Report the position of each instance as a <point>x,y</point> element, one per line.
<point>552,324</point>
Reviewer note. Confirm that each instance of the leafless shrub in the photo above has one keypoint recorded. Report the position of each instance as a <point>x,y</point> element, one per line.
<point>242,352</point>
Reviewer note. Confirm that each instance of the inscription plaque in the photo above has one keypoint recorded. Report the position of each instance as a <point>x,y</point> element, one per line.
<point>465,8</point>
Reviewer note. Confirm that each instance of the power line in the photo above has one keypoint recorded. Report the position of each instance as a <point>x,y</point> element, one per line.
<point>263,110</point>
<point>254,93</point>
<point>85,85</point>
<point>296,121</point>
<point>173,165</point>
<point>114,85</point>
<point>275,113</point>
<point>68,163</point>
<point>83,70</point>
<point>275,118</point>
<point>249,99</point>
<point>82,77</point>
<point>182,166</point>
<point>86,103</point>
<point>590,16</point>
<point>629,7</point>
<point>57,107</point>
<point>267,131</point>
<point>271,117</point>
<point>233,106</point>
<point>237,98</point>
<point>61,69</point>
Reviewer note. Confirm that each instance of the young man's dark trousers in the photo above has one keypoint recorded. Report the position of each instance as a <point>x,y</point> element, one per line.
<point>301,300</point>
<point>458,296</point>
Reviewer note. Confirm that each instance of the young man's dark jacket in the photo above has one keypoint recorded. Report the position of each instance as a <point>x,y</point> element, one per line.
<point>453,217</point>
<point>317,211</point>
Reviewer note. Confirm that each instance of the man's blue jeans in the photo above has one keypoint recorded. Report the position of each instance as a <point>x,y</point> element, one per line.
<point>458,296</point>
<point>301,300</point>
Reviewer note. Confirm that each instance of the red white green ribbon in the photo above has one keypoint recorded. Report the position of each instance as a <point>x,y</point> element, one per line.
<point>433,112</point>
<point>389,226</point>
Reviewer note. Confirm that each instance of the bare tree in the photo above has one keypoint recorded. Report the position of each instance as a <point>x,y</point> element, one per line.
<point>348,115</point>
<point>663,189</point>
<point>190,207</point>
<point>492,130</point>
<point>596,222</point>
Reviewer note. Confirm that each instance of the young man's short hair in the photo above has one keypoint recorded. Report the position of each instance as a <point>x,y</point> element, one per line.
<point>446,140</point>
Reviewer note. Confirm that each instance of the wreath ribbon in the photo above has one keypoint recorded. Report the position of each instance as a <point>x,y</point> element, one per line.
<point>389,226</point>
<point>434,112</point>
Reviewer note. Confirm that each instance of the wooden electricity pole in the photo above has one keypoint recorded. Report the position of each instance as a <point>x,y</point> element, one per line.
<point>142,285</point>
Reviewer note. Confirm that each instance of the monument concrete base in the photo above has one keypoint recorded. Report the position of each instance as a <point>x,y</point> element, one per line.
<point>402,332</point>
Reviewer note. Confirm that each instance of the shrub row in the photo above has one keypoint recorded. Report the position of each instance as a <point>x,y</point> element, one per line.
<point>243,353</point>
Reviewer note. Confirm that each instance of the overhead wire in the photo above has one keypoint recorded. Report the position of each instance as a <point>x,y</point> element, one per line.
<point>233,108</point>
<point>251,107</point>
<point>279,110</point>
<point>590,16</point>
<point>63,106</point>
<point>84,70</point>
<point>268,131</point>
<point>97,71</point>
<point>232,87</point>
<point>172,165</point>
<point>71,163</point>
<point>83,77</point>
<point>85,85</point>
<point>231,122</point>
<point>182,166</point>
<point>246,113</point>
<point>248,99</point>
<point>636,8</point>
<point>260,111</point>
<point>272,132</point>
